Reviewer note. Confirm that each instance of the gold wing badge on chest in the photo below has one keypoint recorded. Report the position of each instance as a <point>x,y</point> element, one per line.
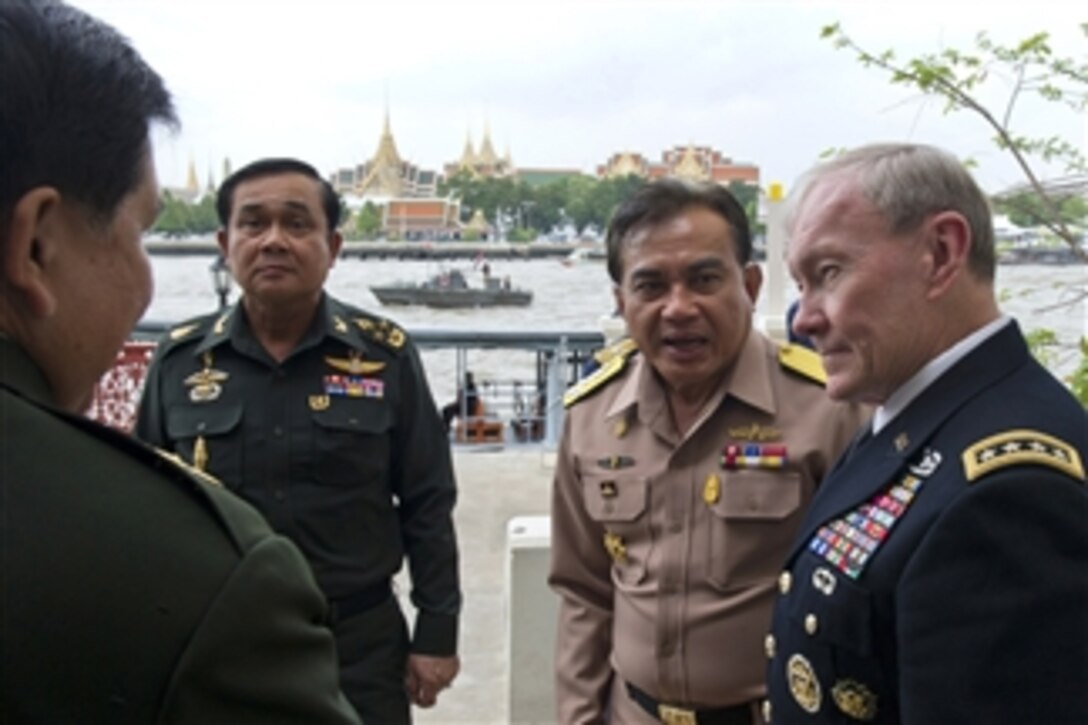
<point>205,385</point>
<point>354,380</point>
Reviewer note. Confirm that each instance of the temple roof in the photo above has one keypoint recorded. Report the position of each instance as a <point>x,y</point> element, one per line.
<point>487,155</point>
<point>690,167</point>
<point>192,184</point>
<point>385,176</point>
<point>468,155</point>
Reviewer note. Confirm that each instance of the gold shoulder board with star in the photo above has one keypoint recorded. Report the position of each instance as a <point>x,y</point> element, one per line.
<point>1021,447</point>
<point>381,331</point>
<point>592,383</point>
<point>806,363</point>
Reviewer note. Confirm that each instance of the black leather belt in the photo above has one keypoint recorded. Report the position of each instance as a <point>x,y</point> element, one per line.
<point>672,715</point>
<point>359,602</point>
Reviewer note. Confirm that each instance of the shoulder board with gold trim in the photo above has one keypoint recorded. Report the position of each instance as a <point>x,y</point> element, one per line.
<point>194,472</point>
<point>624,346</point>
<point>803,361</point>
<point>592,383</point>
<point>182,331</point>
<point>186,332</point>
<point>381,331</point>
<point>1021,447</point>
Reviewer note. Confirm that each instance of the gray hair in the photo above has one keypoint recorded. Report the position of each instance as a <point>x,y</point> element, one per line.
<point>908,183</point>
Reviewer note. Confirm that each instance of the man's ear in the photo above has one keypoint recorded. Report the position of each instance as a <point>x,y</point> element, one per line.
<point>336,241</point>
<point>948,240</point>
<point>753,281</point>
<point>35,235</point>
<point>223,239</point>
<point>617,293</point>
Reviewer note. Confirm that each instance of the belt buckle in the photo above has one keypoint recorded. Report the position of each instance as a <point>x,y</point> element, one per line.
<point>676,715</point>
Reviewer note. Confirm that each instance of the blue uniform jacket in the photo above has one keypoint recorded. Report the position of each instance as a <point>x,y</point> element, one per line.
<point>941,575</point>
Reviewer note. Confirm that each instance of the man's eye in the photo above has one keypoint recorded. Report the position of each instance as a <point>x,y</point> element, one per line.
<point>249,223</point>
<point>827,273</point>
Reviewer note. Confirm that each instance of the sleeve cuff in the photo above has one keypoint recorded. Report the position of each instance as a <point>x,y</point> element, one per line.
<point>435,635</point>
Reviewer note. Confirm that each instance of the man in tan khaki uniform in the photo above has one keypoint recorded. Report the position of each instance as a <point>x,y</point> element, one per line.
<point>686,465</point>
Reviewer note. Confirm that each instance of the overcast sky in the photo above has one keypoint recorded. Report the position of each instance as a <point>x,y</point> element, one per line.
<point>566,84</point>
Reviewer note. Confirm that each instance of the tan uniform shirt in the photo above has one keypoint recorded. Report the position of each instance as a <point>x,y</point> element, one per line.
<point>666,548</point>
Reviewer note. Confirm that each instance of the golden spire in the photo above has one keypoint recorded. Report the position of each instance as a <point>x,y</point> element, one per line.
<point>487,155</point>
<point>690,166</point>
<point>192,184</point>
<point>468,155</point>
<point>384,177</point>
<point>226,167</point>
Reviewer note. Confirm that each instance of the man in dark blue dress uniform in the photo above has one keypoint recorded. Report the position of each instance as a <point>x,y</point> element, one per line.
<point>940,575</point>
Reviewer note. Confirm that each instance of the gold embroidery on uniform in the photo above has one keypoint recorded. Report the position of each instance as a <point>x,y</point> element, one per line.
<point>179,332</point>
<point>319,402</point>
<point>608,489</point>
<point>354,364</point>
<point>613,544</point>
<point>205,383</point>
<point>221,324</point>
<point>755,432</point>
<point>339,325</point>
<point>200,454</point>
<point>1015,447</point>
<point>712,489</point>
<point>854,699</point>
<point>901,442</point>
<point>804,686</point>
<point>396,337</point>
<point>620,428</point>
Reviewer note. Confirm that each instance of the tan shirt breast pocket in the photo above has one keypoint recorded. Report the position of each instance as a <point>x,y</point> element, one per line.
<point>618,503</point>
<point>751,526</point>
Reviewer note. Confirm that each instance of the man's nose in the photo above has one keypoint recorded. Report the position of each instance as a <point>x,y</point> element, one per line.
<point>680,302</point>
<point>274,237</point>
<point>806,318</point>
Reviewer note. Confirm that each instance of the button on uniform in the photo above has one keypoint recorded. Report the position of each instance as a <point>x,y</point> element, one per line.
<point>768,645</point>
<point>811,624</point>
<point>785,581</point>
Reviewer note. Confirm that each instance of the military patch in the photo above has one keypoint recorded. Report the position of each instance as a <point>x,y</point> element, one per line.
<point>221,324</point>
<point>608,489</point>
<point>354,364</point>
<point>204,385</point>
<point>824,581</point>
<point>849,542</point>
<point>614,463</point>
<point>1021,447</point>
<point>755,432</point>
<point>319,402</point>
<point>854,699</point>
<point>352,386</point>
<point>804,686</point>
<point>620,427</point>
<point>339,325</point>
<point>754,455</point>
<point>591,384</point>
<point>382,331</point>
<point>806,363</point>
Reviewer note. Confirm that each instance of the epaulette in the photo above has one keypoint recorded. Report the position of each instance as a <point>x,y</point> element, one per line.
<point>592,383</point>
<point>623,346</point>
<point>381,331</point>
<point>188,331</point>
<point>803,361</point>
<point>1021,447</point>
<point>193,472</point>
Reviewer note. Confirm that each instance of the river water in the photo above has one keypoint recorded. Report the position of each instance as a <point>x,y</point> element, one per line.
<point>575,298</point>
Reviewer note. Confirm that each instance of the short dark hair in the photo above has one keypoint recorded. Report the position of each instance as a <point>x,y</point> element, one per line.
<point>662,200</point>
<point>224,199</point>
<point>76,104</point>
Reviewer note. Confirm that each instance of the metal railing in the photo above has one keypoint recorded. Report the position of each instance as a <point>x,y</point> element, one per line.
<point>533,408</point>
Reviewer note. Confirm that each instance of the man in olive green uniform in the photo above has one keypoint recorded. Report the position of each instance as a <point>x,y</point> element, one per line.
<point>320,415</point>
<point>131,590</point>
<point>685,467</point>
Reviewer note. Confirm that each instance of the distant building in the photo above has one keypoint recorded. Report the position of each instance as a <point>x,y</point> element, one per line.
<point>385,176</point>
<point>415,218</point>
<point>483,163</point>
<point>698,163</point>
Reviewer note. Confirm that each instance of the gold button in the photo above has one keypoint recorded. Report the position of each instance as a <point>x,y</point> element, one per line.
<point>768,644</point>
<point>785,581</point>
<point>811,624</point>
<point>767,711</point>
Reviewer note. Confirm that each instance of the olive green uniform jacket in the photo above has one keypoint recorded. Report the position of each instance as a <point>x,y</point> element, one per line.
<point>132,591</point>
<point>340,446</point>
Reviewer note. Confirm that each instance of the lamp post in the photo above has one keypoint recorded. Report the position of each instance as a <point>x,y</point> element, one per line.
<point>220,280</point>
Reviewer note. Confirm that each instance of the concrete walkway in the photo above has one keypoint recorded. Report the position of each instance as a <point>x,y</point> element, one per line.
<point>495,485</point>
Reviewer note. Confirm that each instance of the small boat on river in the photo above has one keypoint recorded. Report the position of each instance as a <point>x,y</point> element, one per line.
<point>450,289</point>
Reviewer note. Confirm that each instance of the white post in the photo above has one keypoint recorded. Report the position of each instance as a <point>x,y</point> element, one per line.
<point>774,318</point>
<point>532,616</point>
